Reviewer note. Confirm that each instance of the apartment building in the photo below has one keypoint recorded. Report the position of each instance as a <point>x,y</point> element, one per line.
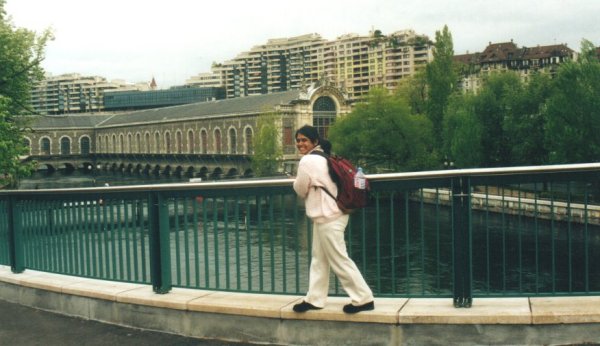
<point>507,56</point>
<point>352,63</point>
<point>205,80</point>
<point>73,93</point>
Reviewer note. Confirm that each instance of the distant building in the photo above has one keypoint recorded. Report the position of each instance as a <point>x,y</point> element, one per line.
<point>73,93</point>
<point>352,63</point>
<point>508,57</point>
<point>116,100</point>
<point>205,80</point>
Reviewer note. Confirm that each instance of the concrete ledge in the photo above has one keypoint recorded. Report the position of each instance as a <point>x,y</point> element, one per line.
<point>261,318</point>
<point>560,310</point>
<point>483,311</point>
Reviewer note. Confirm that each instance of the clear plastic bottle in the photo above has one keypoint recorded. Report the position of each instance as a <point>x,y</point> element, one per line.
<point>359,179</point>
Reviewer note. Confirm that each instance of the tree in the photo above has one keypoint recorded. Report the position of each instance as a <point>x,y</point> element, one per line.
<point>462,133</point>
<point>441,81</point>
<point>21,53</point>
<point>267,145</point>
<point>573,111</point>
<point>20,58</point>
<point>385,135</point>
<point>525,122</point>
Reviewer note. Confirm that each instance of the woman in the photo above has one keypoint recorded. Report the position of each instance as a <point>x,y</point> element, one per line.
<point>329,223</point>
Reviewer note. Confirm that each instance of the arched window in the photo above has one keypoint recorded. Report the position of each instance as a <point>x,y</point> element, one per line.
<point>147,136</point>
<point>114,144</point>
<point>217,141</point>
<point>27,144</point>
<point>157,143</point>
<point>138,143</point>
<point>106,147</point>
<point>84,145</point>
<point>129,143</point>
<point>232,141</point>
<point>65,146</point>
<point>178,142</point>
<point>45,146</point>
<point>203,142</point>
<point>324,113</point>
<point>190,141</point>
<point>121,144</point>
<point>168,142</point>
<point>248,138</point>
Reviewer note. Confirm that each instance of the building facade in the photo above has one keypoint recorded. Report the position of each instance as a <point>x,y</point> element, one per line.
<point>219,131</point>
<point>352,63</point>
<point>74,93</point>
<point>507,56</point>
<point>130,100</point>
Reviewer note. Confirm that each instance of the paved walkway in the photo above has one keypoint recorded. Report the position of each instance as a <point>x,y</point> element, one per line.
<point>25,326</point>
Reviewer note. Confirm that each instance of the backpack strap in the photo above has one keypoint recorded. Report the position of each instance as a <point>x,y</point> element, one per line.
<point>322,154</point>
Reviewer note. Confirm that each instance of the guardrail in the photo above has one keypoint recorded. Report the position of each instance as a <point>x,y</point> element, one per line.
<point>458,234</point>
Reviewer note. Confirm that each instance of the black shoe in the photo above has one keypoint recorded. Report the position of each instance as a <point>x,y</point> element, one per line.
<point>352,309</point>
<point>304,307</point>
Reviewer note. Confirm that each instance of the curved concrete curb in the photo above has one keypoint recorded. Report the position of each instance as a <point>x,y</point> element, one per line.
<point>260,318</point>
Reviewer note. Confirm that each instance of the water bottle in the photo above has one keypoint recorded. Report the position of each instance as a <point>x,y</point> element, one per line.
<point>359,179</point>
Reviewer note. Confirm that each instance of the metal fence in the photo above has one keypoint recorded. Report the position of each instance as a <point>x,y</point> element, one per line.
<point>459,234</point>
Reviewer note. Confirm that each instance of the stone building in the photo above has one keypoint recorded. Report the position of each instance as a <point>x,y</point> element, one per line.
<point>507,56</point>
<point>218,131</point>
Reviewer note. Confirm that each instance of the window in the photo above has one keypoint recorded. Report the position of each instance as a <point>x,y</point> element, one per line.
<point>168,142</point>
<point>157,143</point>
<point>217,141</point>
<point>203,142</point>
<point>287,136</point>
<point>65,146</point>
<point>45,146</point>
<point>147,142</point>
<point>138,142</point>
<point>324,113</point>
<point>84,146</point>
<point>190,141</point>
<point>178,142</point>
<point>232,141</point>
<point>248,135</point>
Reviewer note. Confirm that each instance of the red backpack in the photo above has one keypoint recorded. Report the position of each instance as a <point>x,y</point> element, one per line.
<point>342,173</point>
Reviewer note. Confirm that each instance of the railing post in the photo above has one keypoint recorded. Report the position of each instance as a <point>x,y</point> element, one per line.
<point>160,256</point>
<point>461,204</point>
<point>15,237</point>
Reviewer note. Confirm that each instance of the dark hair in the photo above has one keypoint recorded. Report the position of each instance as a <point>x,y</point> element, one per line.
<point>312,134</point>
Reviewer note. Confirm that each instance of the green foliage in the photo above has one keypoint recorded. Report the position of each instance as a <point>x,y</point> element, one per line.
<point>11,147</point>
<point>502,125</point>
<point>441,80</point>
<point>267,145</point>
<point>524,123</point>
<point>573,111</point>
<point>20,58</point>
<point>462,133</point>
<point>382,134</point>
<point>21,52</point>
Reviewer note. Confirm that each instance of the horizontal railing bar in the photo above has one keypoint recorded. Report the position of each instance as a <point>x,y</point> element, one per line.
<point>472,172</point>
<point>582,167</point>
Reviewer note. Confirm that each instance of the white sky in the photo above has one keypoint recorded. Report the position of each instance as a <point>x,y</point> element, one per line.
<point>173,40</point>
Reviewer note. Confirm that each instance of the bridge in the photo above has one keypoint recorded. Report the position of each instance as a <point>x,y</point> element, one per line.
<point>205,166</point>
<point>500,255</point>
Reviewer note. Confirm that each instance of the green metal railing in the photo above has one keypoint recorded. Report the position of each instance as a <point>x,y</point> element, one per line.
<point>458,234</point>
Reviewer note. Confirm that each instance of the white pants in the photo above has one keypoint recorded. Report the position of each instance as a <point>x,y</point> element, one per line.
<point>329,251</point>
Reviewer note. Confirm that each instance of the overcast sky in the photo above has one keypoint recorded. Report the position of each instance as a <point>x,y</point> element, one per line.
<point>173,40</point>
